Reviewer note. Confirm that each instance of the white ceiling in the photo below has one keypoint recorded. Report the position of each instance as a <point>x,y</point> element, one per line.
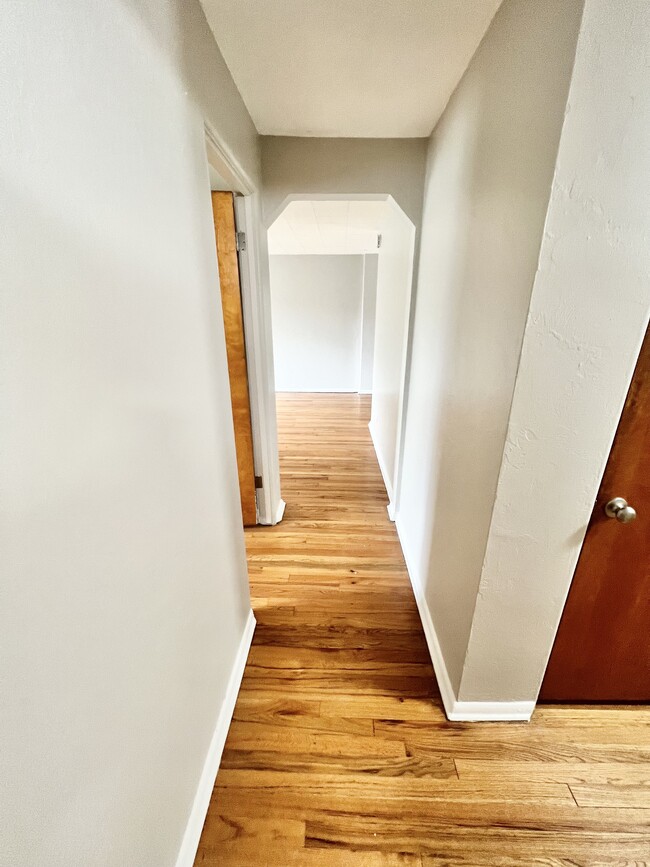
<point>331,228</point>
<point>357,68</point>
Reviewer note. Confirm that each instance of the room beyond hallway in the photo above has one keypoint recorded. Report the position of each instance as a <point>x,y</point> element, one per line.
<point>339,753</point>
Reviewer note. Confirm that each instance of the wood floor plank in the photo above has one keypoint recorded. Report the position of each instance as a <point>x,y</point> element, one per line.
<point>572,773</point>
<point>498,829</point>
<point>251,855</point>
<point>340,754</point>
<point>609,794</point>
<point>302,795</point>
<point>413,766</point>
<point>277,738</point>
<point>384,707</point>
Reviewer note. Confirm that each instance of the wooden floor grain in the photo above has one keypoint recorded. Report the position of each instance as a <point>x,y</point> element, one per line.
<point>339,753</point>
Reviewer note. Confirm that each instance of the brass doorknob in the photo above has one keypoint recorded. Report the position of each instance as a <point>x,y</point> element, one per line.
<point>619,509</point>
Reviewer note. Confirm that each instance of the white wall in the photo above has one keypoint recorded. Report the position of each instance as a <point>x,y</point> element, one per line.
<point>124,588</point>
<point>316,306</point>
<point>393,305</point>
<point>489,171</point>
<point>589,311</point>
<point>343,166</point>
<point>368,311</point>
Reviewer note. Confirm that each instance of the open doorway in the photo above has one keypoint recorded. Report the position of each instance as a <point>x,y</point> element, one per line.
<point>242,292</point>
<point>228,241</point>
<point>341,274</point>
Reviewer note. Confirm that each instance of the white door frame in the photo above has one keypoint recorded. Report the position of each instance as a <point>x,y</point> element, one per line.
<point>253,269</point>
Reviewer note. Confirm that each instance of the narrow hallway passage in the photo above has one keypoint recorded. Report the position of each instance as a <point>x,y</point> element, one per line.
<point>339,753</point>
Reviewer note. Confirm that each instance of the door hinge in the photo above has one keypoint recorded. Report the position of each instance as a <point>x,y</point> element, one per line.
<point>258,482</point>
<point>241,241</point>
<point>378,241</point>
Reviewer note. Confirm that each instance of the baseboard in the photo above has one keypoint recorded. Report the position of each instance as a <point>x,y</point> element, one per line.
<point>442,676</point>
<point>492,711</point>
<point>279,512</point>
<point>457,711</point>
<point>390,508</point>
<point>201,803</point>
<point>317,390</point>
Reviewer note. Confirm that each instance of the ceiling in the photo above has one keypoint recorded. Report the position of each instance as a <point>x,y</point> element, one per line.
<point>331,228</point>
<point>347,68</point>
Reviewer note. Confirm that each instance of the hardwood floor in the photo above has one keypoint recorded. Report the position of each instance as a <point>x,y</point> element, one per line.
<point>339,753</point>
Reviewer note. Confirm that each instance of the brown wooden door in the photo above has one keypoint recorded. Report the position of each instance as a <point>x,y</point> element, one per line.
<point>602,649</point>
<point>223,211</point>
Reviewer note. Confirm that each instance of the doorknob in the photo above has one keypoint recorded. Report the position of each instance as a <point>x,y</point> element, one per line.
<point>619,509</point>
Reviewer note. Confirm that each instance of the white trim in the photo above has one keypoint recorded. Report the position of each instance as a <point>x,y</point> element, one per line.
<point>458,711</point>
<point>279,512</point>
<point>259,357</point>
<point>492,711</point>
<point>319,391</point>
<point>406,362</point>
<point>384,474</point>
<point>224,162</point>
<point>199,810</point>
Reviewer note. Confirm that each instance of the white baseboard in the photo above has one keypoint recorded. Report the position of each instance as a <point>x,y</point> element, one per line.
<point>457,711</point>
<point>316,390</point>
<point>201,803</point>
<point>390,508</point>
<point>279,513</point>
<point>492,711</point>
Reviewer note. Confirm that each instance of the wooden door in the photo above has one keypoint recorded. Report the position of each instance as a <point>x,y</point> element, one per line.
<point>602,649</point>
<point>223,211</point>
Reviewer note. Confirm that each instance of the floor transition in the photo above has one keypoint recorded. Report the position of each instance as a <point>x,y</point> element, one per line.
<point>339,753</point>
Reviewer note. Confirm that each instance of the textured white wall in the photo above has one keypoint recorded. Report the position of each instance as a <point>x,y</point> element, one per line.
<point>368,311</point>
<point>124,587</point>
<point>316,308</point>
<point>589,310</point>
<point>393,305</point>
<point>489,173</point>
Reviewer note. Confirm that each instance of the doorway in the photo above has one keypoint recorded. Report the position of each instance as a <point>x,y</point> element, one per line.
<point>341,274</point>
<point>250,258</point>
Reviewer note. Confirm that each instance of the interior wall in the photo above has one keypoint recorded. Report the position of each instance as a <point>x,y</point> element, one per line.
<point>395,262</point>
<point>368,311</point>
<point>588,316</point>
<point>343,166</point>
<point>489,171</point>
<point>316,305</point>
<point>125,593</point>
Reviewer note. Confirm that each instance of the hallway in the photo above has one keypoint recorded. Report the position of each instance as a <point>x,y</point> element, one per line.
<point>339,753</point>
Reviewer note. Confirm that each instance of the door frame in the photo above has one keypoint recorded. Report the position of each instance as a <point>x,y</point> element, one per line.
<point>253,272</point>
